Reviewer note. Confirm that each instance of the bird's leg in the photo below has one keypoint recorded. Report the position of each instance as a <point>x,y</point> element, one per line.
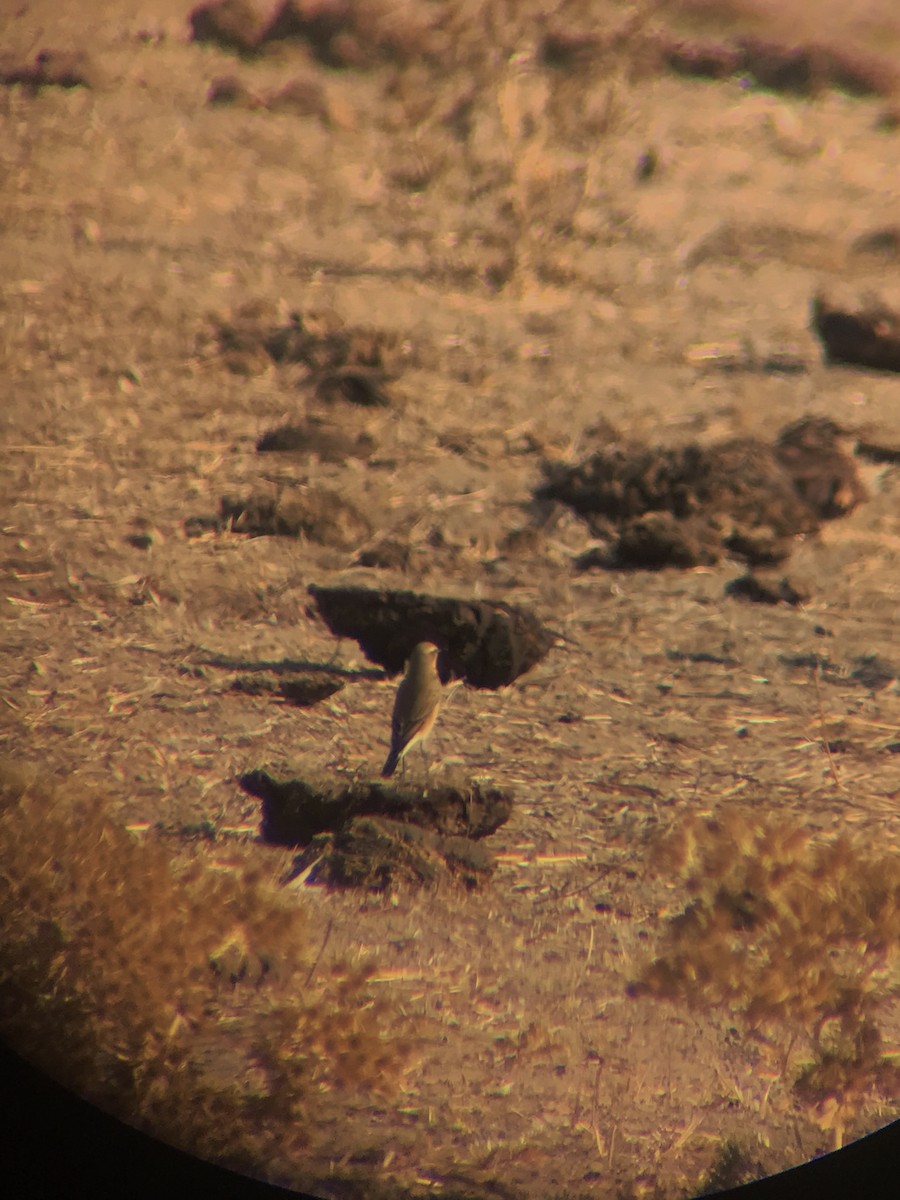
<point>438,752</point>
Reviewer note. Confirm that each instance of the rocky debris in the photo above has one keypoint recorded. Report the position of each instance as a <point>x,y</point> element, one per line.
<point>364,386</point>
<point>568,49</point>
<point>873,672</point>
<point>868,336</point>
<point>243,25</point>
<point>227,90</point>
<point>790,67</point>
<point>322,342</point>
<point>487,643</point>
<point>658,539</point>
<point>702,656</point>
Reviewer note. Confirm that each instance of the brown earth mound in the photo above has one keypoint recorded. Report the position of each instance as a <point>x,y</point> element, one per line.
<point>373,834</point>
<point>692,504</point>
<point>339,34</point>
<point>372,852</point>
<point>868,336</point>
<point>329,441</point>
<point>294,811</point>
<point>489,645</point>
<point>320,514</point>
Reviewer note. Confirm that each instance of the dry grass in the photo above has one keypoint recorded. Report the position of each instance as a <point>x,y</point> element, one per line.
<point>185,1000</point>
<point>790,936</point>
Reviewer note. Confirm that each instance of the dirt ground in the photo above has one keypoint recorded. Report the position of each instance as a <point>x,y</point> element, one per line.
<point>548,250</point>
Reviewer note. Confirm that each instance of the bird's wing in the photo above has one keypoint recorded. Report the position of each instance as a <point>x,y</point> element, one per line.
<point>406,724</point>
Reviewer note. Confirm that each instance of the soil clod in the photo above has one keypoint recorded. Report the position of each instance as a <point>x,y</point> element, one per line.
<point>373,852</point>
<point>242,25</point>
<point>327,440</point>
<point>387,554</point>
<point>816,453</point>
<point>368,834</point>
<point>689,506</point>
<point>337,34</point>
<point>50,68</point>
<point>344,362</point>
<point>321,515</point>
<point>805,70</point>
<point>488,644</point>
<point>294,811</point>
<point>868,336</point>
<point>364,386</point>
<point>763,591</point>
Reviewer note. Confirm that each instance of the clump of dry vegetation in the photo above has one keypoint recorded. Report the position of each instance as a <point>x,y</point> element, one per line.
<point>796,937</point>
<point>184,1000</point>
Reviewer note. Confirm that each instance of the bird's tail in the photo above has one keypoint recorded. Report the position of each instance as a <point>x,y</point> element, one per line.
<point>390,765</point>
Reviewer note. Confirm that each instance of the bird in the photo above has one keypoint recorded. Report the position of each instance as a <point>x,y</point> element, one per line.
<point>416,706</point>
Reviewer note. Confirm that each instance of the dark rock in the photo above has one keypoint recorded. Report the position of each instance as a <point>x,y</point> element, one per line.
<point>885,243</point>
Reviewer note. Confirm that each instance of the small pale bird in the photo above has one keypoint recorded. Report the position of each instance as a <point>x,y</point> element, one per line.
<point>416,707</point>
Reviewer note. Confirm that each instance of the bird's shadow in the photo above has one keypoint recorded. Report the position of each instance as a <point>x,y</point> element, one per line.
<point>290,666</point>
